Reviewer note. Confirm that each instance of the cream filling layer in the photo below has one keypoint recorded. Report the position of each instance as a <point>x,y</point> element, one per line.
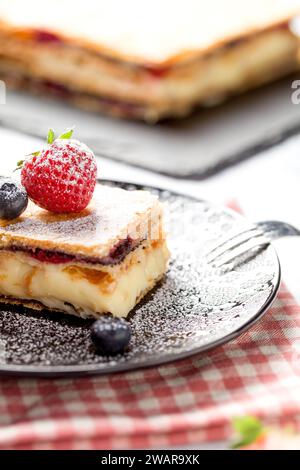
<point>83,291</point>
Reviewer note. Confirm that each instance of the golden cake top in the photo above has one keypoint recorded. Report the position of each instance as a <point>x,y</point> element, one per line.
<point>155,32</point>
<point>112,217</point>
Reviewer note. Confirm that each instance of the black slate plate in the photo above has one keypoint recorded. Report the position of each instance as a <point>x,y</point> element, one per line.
<point>193,310</point>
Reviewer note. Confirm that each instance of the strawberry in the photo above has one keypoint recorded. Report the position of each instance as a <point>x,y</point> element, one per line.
<point>62,177</point>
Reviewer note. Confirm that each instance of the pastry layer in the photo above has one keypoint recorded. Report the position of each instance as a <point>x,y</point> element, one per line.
<point>114,224</point>
<point>148,93</point>
<point>80,290</point>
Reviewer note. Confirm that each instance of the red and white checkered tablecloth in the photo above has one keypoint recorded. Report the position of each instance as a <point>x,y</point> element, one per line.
<point>187,402</point>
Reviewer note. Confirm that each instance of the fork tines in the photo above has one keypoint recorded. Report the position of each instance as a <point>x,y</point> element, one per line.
<point>236,246</point>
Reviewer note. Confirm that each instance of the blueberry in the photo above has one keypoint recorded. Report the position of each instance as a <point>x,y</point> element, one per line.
<point>111,335</point>
<point>13,199</point>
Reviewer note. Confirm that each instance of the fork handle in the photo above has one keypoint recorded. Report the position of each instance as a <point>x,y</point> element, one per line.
<point>274,229</point>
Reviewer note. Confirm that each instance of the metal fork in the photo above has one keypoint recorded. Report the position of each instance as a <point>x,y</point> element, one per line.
<point>250,240</point>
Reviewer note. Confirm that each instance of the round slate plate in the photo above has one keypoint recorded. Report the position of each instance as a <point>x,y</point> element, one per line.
<point>194,309</point>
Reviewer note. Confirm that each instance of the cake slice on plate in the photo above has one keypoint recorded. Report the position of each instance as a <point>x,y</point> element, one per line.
<point>80,247</point>
<point>145,61</point>
<point>103,260</point>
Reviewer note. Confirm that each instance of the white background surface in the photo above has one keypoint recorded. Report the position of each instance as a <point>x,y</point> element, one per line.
<point>266,187</point>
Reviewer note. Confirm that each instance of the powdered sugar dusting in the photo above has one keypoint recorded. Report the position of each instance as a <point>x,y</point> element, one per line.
<point>96,228</point>
<point>194,307</point>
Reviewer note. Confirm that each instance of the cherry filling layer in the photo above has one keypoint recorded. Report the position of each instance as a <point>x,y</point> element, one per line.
<point>117,254</point>
<point>57,89</point>
<point>44,36</point>
<point>67,93</point>
<point>157,72</point>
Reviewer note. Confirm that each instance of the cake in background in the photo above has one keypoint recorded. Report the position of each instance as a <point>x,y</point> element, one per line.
<point>145,61</point>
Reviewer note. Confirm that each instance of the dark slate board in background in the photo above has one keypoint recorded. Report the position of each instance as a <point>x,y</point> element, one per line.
<point>188,148</point>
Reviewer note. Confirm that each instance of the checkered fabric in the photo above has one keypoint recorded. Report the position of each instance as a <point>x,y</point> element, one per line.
<point>187,402</point>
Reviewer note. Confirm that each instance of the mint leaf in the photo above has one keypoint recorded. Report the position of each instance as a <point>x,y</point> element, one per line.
<point>249,428</point>
<point>68,134</point>
<point>51,136</point>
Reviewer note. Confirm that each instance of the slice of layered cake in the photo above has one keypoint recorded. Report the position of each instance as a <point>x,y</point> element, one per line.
<point>101,259</point>
<point>145,61</point>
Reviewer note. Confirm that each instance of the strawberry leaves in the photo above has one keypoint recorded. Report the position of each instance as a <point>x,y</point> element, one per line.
<point>50,137</point>
<point>19,165</point>
<point>68,134</point>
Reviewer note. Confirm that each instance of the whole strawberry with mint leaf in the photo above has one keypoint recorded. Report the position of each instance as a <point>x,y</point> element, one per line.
<point>62,177</point>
